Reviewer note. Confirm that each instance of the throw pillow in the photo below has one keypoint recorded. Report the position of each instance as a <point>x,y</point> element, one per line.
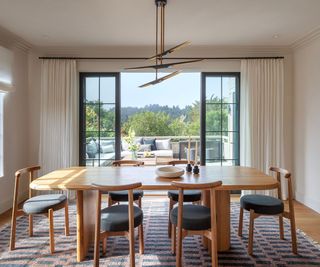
<point>150,141</point>
<point>145,147</point>
<point>163,144</point>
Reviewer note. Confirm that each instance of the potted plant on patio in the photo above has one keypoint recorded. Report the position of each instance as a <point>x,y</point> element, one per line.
<point>132,145</point>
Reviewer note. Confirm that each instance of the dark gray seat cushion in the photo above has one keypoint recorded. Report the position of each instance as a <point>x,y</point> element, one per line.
<point>116,218</point>
<point>123,195</point>
<point>188,195</point>
<point>42,203</point>
<point>194,217</point>
<point>262,204</point>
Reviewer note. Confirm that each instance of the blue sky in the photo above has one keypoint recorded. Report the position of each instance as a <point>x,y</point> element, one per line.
<point>180,90</point>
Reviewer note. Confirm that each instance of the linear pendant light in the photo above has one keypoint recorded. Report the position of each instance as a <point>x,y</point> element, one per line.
<point>160,48</point>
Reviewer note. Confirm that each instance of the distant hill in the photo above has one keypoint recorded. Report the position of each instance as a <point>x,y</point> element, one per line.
<point>174,112</point>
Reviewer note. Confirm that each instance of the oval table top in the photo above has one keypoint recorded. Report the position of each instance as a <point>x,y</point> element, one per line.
<point>82,178</point>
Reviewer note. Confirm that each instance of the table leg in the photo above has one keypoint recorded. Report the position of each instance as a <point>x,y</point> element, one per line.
<point>86,202</point>
<point>223,219</point>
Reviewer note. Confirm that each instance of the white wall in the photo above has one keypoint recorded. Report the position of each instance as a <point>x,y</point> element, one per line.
<point>16,145</point>
<point>307,124</point>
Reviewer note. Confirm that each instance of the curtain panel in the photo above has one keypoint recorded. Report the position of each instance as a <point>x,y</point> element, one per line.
<point>261,115</point>
<point>59,123</point>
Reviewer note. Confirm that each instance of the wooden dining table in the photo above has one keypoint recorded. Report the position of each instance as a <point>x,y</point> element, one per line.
<point>82,178</point>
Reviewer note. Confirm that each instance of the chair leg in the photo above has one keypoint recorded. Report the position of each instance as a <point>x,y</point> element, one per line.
<point>141,239</point>
<point>240,222</point>
<point>179,248</point>
<point>66,220</point>
<point>251,226</point>
<point>51,230</point>
<point>13,229</point>
<point>173,239</point>
<point>104,246</point>
<point>30,225</point>
<point>281,227</point>
<point>293,235</point>
<point>171,203</point>
<point>131,248</point>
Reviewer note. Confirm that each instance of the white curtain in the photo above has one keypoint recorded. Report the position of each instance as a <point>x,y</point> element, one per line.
<point>261,115</point>
<point>59,128</point>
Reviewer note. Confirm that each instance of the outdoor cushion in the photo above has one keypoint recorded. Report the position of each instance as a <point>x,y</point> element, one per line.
<point>123,195</point>
<point>144,148</point>
<point>116,218</point>
<point>194,217</point>
<point>163,144</point>
<point>150,141</point>
<point>42,203</point>
<point>262,204</point>
<point>188,195</point>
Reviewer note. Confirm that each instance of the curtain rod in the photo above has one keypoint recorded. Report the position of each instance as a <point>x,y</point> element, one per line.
<point>145,58</point>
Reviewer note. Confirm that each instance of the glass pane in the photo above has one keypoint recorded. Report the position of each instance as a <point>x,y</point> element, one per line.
<point>92,89</point>
<point>105,163</point>
<point>229,163</point>
<point>92,162</point>
<point>213,146</point>
<point>92,117</point>
<point>229,90</point>
<point>107,118</point>
<point>230,117</point>
<point>213,117</point>
<point>107,89</point>
<point>213,89</point>
<point>92,145</point>
<point>230,145</point>
<point>213,162</point>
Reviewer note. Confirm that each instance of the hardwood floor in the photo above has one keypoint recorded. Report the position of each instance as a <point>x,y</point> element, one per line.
<point>307,219</point>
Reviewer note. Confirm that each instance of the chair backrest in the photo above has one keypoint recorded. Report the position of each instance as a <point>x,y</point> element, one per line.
<point>201,186</point>
<point>31,173</point>
<point>286,174</point>
<point>119,163</point>
<point>180,162</point>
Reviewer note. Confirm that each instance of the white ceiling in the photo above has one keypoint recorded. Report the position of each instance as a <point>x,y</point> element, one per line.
<point>132,22</point>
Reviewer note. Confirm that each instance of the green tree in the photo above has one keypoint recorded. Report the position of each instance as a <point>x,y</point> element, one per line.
<point>148,124</point>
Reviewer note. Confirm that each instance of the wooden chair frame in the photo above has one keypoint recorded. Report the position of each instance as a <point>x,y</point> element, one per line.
<point>287,214</point>
<point>16,212</point>
<point>119,163</point>
<point>211,234</point>
<point>171,201</point>
<point>129,234</point>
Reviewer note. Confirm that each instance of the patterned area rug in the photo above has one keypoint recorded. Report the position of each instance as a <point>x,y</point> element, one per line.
<point>269,250</point>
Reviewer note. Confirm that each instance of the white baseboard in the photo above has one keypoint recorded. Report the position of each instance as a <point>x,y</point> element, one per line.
<point>308,201</point>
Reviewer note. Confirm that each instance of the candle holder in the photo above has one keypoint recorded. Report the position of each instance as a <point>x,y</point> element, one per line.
<point>189,168</point>
<point>196,169</point>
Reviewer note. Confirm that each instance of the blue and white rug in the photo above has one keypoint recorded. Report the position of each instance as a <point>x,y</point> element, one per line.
<point>269,250</point>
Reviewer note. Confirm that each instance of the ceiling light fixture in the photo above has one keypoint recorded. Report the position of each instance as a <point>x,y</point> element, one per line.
<point>160,48</point>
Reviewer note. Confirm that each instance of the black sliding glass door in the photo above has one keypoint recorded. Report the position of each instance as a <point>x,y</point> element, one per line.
<point>99,118</point>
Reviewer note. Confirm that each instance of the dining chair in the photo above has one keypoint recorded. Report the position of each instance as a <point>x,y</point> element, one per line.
<point>118,220</point>
<point>194,220</point>
<point>188,195</point>
<point>122,196</point>
<point>259,205</point>
<point>41,204</point>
